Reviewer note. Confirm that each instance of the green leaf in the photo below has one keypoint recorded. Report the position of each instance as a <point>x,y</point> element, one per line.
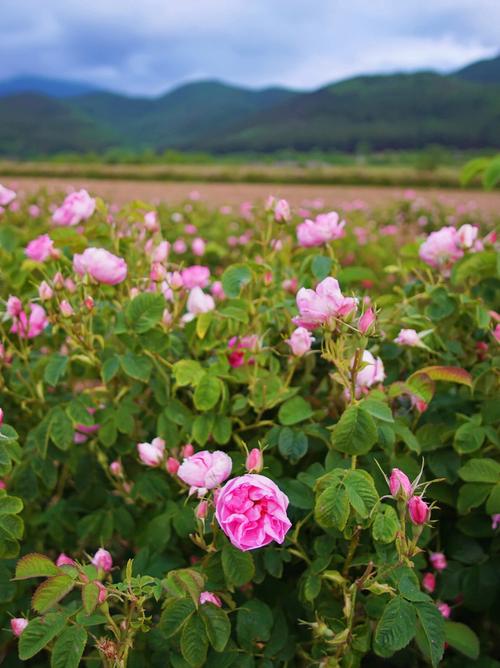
<point>79,414</point>
<point>332,505</point>
<point>39,632</point>
<point>90,597</point>
<point>407,436</point>
<point>222,429</point>
<point>377,409</point>
<point>11,505</point>
<point>472,495</point>
<point>321,267</point>
<point>238,566</point>
<point>254,623</point>
<point>194,642</point>
<point>293,445</point>
<point>217,625</point>
<point>35,566</point>
<point>361,491</point>
<point>462,638</point>
<point>294,410</point>
<point>61,429</point>
<point>188,372</point>
<point>68,648</point>
<point>396,627</point>
<point>207,392</point>
<point>138,367</point>
<point>51,592</point>
<point>175,614</point>
<point>450,374</point>
<point>202,427</point>
<point>493,503</point>
<point>145,311</point>
<point>110,368</point>
<point>55,369</point>
<point>480,470</point>
<point>355,433</point>
<point>432,623</point>
<point>386,524</point>
<point>186,581</point>
<point>235,278</point>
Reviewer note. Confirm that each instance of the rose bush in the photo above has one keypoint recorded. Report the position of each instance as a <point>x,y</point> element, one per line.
<point>256,438</point>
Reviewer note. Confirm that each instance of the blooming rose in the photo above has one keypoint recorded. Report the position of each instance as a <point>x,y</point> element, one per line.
<point>399,484</point>
<point>28,327</point>
<point>6,195</point>
<point>151,454</point>
<point>418,510</point>
<point>441,249</point>
<point>208,597</point>
<point>199,302</point>
<point>371,373</point>
<point>101,265</point>
<point>41,248</point>
<point>251,510</point>
<point>408,337</point>
<point>326,227</point>
<point>205,470</point>
<point>103,560</point>
<point>438,561</point>
<point>300,341</point>
<point>467,235</point>
<point>195,276</point>
<point>76,207</point>
<point>317,307</point>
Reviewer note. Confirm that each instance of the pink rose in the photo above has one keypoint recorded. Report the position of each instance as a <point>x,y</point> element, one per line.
<point>160,253</point>
<point>399,484</point>
<point>325,228</point>
<point>115,468</point>
<point>208,597</point>
<point>41,248</point>
<point>28,327</point>
<point>77,206</point>
<point>205,470</point>
<point>218,291</point>
<point>172,465</point>
<point>371,373</point>
<point>366,322</point>
<point>101,265</point>
<point>495,521</point>
<point>441,249</point>
<point>444,609</point>
<point>199,302</point>
<point>198,247</point>
<point>408,337</point>
<point>238,346</point>
<point>429,582</point>
<point>102,559</point>
<point>151,221</point>
<point>467,235</point>
<point>202,510</point>
<point>151,454</point>
<point>317,307</point>
<point>280,208</point>
<point>255,461</point>
<point>419,511</point>
<point>66,309</point>
<point>45,292</point>
<point>64,560</point>
<point>195,276</point>
<point>18,624</point>
<point>14,306</point>
<point>438,561</point>
<point>251,510</point>
<point>300,341</point>
<point>179,246</point>
<point>6,195</point>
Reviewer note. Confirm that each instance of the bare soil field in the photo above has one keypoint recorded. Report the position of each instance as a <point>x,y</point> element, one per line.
<point>122,191</point>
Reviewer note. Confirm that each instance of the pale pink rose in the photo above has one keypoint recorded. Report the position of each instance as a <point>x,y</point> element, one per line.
<point>371,373</point>
<point>195,276</point>
<point>438,561</point>
<point>467,235</point>
<point>495,521</point>
<point>322,305</point>
<point>209,597</point>
<point>151,221</point>
<point>444,609</point>
<point>34,210</point>
<point>64,560</point>
<point>179,246</point>
<point>70,285</point>
<point>151,454</point>
<point>160,252</point>
<point>28,327</point>
<point>366,322</point>
<point>418,510</point>
<point>300,341</point>
<point>326,227</point>
<point>45,292</point>
<point>66,309</point>
<point>290,285</point>
<point>205,470</point>
<point>101,265</point>
<point>408,337</point>
<point>198,246</point>
<point>115,468</point>
<point>218,291</point>
<point>41,248</point>
<point>255,461</point>
<point>189,228</point>
<point>399,484</point>
<point>77,207</point>
<point>429,582</point>
<point>103,560</point>
<point>174,280</point>
<point>251,510</point>
<point>199,302</point>
<point>441,249</point>
<point>18,624</point>
<point>281,209</point>
<point>6,195</point>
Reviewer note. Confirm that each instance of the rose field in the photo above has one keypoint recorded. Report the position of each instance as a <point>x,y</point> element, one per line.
<point>256,435</point>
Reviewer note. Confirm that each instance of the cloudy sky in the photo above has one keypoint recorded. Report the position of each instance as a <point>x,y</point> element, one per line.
<point>149,46</point>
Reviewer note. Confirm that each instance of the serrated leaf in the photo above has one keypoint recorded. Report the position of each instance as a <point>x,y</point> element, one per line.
<point>51,592</point>
<point>145,311</point>
<point>186,581</point>
<point>332,506</point>
<point>294,410</point>
<point>462,638</point>
<point>194,642</point>
<point>68,648</point>
<point>378,409</point>
<point>55,369</point>
<point>217,625</point>
<point>386,524</point>
<point>432,623</point>
<point>110,368</point>
<point>238,566</point>
<point>188,372</point>
<point>90,597</point>
<point>235,278</point>
<point>39,632</point>
<point>61,429</point>
<point>480,470</point>
<point>361,491</point>
<point>293,445</point>
<point>35,565</point>
<point>355,433</point>
<point>472,495</point>
<point>138,367</point>
<point>175,614</point>
<point>207,392</point>
<point>450,374</point>
<point>396,627</point>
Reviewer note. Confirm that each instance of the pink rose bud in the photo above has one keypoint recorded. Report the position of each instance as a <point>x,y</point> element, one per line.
<point>198,247</point>
<point>300,341</point>
<point>160,253</point>
<point>255,461</point>
<point>419,511</point>
<point>179,246</point>
<point>218,291</point>
<point>103,560</point>
<point>14,306</point>
<point>45,292</point>
<point>115,468</point>
<point>366,321</point>
<point>205,470</point>
<point>208,597</point>
<point>495,521</point>
<point>103,593</point>
<point>151,221</point>
<point>202,510</point>
<point>408,337</point>
<point>438,561</point>
<point>399,484</point>
<point>187,451</point>
<point>64,560</point>
<point>429,582</point>
<point>158,272</point>
<point>58,281</point>
<point>282,212</point>
<point>174,280</point>
<point>172,465</point>
<point>444,609</point>
<point>89,303</point>
<point>3,484</point>
<point>1,417</point>
<point>66,309</point>
<point>18,624</point>
<point>70,285</point>
<point>151,454</point>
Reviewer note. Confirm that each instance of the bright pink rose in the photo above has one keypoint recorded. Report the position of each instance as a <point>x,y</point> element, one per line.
<point>399,484</point>
<point>208,597</point>
<point>41,248</point>
<point>438,561</point>
<point>205,470</point>
<point>101,265</point>
<point>320,306</point>
<point>255,461</point>
<point>195,276</point>
<point>444,609</point>
<point>64,560</point>
<point>408,337</point>
<point>251,510</point>
<point>30,327</point>
<point>151,454</point>
<point>102,559</point>
<point>418,510</point>
<point>429,582</point>
<point>18,624</point>
<point>14,306</point>
<point>172,465</point>
<point>441,249</point>
<point>6,195</point>
<point>199,302</point>
<point>327,227</point>
<point>77,206</point>
<point>300,341</point>
<point>366,322</point>
<point>187,450</point>
<point>239,346</point>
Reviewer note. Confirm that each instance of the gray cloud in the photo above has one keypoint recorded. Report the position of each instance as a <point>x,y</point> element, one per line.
<point>147,47</point>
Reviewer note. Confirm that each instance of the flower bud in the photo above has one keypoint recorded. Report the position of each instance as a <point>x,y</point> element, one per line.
<point>103,593</point>
<point>202,510</point>
<point>209,597</point>
<point>103,560</point>
<point>66,309</point>
<point>45,292</point>
<point>89,303</point>
<point>419,511</point>
<point>438,561</point>
<point>187,451</point>
<point>366,322</point>
<point>115,468</point>
<point>429,582</point>
<point>64,560</point>
<point>151,454</point>
<point>18,624</point>
<point>172,465</point>
<point>444,609</point>
<point>399,484</point>
<point>255,461</point>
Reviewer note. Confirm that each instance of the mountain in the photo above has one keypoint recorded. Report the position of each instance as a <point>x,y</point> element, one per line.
<point>484,71</point>
<point>398,111</point>
<point>58,88</point>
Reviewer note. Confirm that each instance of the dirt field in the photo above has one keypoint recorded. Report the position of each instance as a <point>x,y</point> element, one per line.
<point>233,194</point>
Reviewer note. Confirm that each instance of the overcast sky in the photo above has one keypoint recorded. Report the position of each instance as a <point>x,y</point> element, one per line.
<point>148,46</point>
